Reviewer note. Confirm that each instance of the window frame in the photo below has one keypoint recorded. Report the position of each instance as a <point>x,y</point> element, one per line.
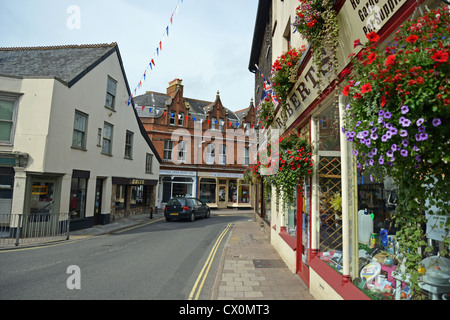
<point>83,133</point>
<point>223,154</point>
<point>109,81</point>
<point>106,138</point>
<point>168,150</point>
<point>173,119</point>
<point>14,98</point>
<point>149,163</point>
<point>129,144</point>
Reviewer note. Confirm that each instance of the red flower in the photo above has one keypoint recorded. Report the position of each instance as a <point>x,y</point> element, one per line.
<point>390,60</point>
<point>357,96</point>
<point>371,57</point>
<point>412,38</point>
<point>440,56</point>
<point>357,43</point>
<point>373,37</point>
<point>366,88</point>
<point>312,23</point>
<point>346,91</point>
<point>383,101</point>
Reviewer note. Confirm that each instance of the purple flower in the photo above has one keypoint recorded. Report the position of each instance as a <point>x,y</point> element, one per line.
<point>381,113</point>
<point>405,109</point>
<point>355,153</point>
<point>419,122</point>
<point>374,151</point>
<point>371,162</point>
<point>405,143</point>
<point>390,153</point>
<point>422,129</point>
<point>436,122</point>
<point>387,115</point>
<point>415,148</point>
<point>403,133</point>
<point>394,147</point>
<point>374,129</point>
<point>374,136</point>
<point>404,153</point>
<point>381,160</point>
<point>384,138</point>
<point>343,130</point>
<point>418,159</point>
<point>358,123</point>
<point>406,123</point>
<point>394,131</point>
<point>423,136</point>
<point>365,133</point>
<point>371,123</point>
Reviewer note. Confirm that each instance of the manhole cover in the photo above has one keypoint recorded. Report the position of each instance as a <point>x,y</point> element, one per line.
<point>269,264</point>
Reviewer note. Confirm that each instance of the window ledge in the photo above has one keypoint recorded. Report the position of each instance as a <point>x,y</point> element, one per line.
<point>290,240</point>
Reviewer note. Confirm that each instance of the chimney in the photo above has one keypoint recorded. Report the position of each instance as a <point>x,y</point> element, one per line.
<point>174,86</point>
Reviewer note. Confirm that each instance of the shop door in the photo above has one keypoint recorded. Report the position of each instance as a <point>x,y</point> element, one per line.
<point>98,201</point>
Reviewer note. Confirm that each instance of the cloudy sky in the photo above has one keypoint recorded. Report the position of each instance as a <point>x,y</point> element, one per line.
<point>208,45</point>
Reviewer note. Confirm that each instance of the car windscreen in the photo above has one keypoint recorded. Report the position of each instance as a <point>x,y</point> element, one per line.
<point>177,202</point>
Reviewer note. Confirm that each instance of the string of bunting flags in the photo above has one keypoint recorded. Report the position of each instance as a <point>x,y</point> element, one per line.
<point>158,50</point>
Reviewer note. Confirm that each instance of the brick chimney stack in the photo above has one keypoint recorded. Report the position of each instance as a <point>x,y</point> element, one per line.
<point>174,86</point>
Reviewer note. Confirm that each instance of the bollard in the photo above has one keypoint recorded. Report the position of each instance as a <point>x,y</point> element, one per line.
<point>151,213</point>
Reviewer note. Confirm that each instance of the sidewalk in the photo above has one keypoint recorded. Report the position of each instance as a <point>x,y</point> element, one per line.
<point>251,269</point>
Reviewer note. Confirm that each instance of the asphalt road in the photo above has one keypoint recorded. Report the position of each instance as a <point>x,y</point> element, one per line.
<point>160,261</point>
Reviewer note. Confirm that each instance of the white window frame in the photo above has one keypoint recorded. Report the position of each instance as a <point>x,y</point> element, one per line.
<point>14,98</point>
<point>83,131</point>
<point>111,92</point>
<point>210,153</point>
<point>223,154</point>
<point>129,141</point>
<point>107,138</point>
<point>168,150</point>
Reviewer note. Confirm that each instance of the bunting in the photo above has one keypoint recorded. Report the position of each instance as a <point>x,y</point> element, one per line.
<point>159,49</point>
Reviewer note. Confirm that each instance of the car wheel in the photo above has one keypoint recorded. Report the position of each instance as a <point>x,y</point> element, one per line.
<point>168,219</point>
<point>208,214</point>
<point>192,219</point>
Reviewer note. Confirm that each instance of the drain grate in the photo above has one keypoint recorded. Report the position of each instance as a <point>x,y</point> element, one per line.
<point>269,264</point>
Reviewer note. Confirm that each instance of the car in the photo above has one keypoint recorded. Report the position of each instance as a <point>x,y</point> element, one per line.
<point>186,208</point>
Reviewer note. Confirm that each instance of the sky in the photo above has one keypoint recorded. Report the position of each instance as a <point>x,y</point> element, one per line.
<point>208,45</point>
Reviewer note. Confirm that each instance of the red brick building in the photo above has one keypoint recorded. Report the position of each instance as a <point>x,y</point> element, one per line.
<point>205,147</point>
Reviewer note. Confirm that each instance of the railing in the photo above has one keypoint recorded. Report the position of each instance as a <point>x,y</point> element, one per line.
<point>34,228</point>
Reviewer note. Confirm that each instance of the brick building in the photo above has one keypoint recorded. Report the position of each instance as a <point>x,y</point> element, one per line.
<point>205,147</point>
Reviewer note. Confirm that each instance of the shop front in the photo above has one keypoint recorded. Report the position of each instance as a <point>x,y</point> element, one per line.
<point>176,184</point>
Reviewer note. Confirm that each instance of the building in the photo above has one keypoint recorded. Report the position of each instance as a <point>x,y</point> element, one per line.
<point>70,144</point>
<point>316,241</point>
<point>205,147</point>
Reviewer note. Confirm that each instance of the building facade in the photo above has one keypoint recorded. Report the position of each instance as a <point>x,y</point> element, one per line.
<point>317,241</point>
<point>205,147</point>
<point>71,145</point>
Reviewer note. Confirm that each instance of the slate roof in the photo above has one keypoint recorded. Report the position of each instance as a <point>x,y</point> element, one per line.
<point>66,63</point>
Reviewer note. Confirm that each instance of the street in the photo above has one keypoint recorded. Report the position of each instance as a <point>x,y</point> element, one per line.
<point>158,261</point>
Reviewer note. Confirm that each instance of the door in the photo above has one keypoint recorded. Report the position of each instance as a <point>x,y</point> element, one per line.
<point>303,227</point>
<point>98,201</point>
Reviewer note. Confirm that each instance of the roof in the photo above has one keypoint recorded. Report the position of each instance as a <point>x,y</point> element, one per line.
<point>262,18</point>
<point>160,101</point>
<point>68,63</point>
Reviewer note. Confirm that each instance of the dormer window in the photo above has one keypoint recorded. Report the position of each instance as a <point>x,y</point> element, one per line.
<point>172,118</point>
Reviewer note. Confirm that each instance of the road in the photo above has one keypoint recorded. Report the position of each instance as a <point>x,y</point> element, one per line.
<point>159,261</point>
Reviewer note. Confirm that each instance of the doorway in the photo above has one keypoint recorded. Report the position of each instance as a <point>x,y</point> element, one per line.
<point>98,201</point>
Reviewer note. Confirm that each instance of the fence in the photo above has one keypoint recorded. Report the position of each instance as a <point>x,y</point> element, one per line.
<point>34,228</point>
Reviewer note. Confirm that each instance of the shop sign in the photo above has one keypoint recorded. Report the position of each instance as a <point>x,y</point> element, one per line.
<point>177,173</point>
<point>226,175</point>
<point>137,182</point>
<point>356,19</point>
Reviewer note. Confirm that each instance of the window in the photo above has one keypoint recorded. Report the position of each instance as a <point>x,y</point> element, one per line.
<point>99,137</point>
<point>111,93</point>
<point>247,127</point>
<point>208,190</point>
<point>172,118</point>
<point>210,153</point>
<point>129,145</point>
<point>213,123</point>
<point>168,147</point>
<point>107,138</point>
<point>221,123</point>
<point>7,119</point>
<point>79,131</point>
<point>149,163</point>
<point>246,156</point>
<point>181,119</point>
<point>243,192</point>
<point>182,151</point>
<point>222,154</point>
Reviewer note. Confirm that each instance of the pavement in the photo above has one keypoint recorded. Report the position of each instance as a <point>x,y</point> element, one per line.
<point>250,268</point>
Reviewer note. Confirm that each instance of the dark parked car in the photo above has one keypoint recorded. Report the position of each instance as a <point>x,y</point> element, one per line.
<point>186,208</point>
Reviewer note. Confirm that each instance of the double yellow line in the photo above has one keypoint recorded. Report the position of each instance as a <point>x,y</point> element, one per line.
<point>197,289</point>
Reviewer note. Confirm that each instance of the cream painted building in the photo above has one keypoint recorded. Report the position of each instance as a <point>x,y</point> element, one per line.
<point>69,140</point>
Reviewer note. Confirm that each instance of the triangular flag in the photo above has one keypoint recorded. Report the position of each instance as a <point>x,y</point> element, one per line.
<point>160,45</point>
<point>143,107</point>
<point>167,29</point>
<point>195,119</point>
<point>150,109</point>
<point>157,51</point>
<point>153,62</point>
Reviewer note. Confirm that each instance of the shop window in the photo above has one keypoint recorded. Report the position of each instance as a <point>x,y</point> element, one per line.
<point>244,193</point>
<point>6,189</point>
<point>208,190</point>
<point>121,192</point>
<point>182,187</point>
<point>167,189</point>
<point>78,191</point>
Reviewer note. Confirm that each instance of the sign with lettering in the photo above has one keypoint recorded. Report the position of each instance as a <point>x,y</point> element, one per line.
<point>356,19</point>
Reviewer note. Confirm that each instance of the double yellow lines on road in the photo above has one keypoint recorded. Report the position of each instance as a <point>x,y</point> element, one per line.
<point>197,289</point>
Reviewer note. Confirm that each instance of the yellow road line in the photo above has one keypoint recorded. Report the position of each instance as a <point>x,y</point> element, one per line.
<point>202,276</point>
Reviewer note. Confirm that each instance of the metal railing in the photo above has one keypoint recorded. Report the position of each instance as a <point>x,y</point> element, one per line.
<point>34,228</point>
